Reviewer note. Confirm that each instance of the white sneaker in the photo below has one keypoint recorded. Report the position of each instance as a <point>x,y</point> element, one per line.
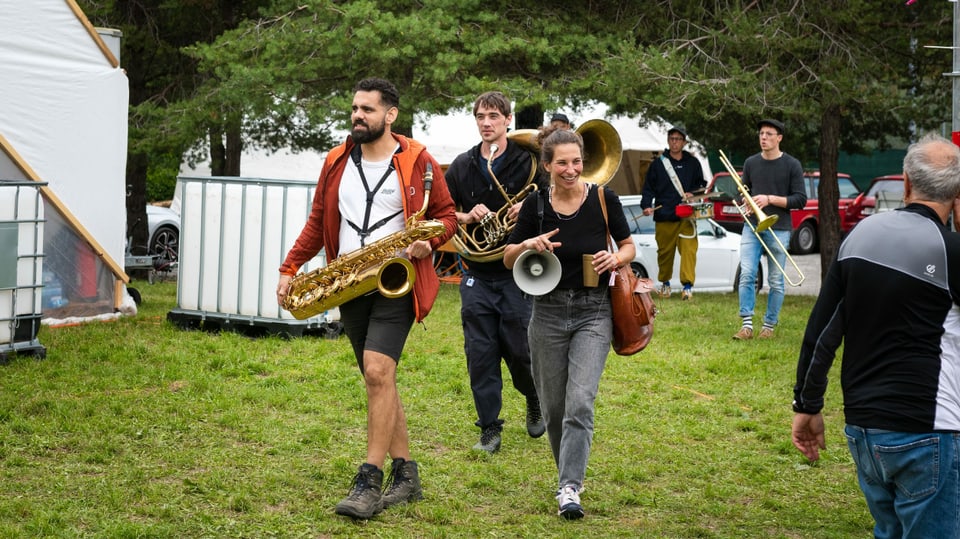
<point>569,499</point>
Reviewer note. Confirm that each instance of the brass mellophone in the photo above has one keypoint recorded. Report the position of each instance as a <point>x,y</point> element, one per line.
<point>602,150</point>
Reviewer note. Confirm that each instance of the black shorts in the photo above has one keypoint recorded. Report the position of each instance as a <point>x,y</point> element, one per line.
<point>378,324</point>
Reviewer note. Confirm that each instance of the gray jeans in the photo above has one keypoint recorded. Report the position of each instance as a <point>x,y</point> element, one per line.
<point>569,333</point>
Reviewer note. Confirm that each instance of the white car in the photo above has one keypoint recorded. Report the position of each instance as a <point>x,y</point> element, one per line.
<point>718,254</point>
<point>164,231</point>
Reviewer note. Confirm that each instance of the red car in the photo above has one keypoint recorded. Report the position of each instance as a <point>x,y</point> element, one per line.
<point>885,193</point>
<point>806,232</point>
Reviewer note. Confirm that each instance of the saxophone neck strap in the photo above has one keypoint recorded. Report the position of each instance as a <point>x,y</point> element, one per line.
<point>357,155</point>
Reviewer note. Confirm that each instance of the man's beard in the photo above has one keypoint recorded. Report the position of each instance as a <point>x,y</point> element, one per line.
<point>372,133</point>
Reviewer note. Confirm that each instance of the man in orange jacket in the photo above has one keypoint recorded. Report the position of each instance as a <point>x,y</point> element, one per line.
<point>369,185</point>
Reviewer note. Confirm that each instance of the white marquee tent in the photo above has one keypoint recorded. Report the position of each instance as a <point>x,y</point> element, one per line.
<point>449,135</point>
<point>64,122</point>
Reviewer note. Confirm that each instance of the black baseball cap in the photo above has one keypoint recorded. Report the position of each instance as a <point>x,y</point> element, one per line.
<point>677,129</point>
<point>776,124</point>
<point>562,117</point>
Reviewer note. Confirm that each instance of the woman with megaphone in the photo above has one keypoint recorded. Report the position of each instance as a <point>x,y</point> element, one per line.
<point>561,239</point>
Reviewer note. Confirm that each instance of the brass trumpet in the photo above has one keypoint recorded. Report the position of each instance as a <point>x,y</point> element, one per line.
<point>764,221</point>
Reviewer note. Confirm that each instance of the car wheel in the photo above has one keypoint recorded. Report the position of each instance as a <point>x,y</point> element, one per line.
<point>804,239</point>
<point>638,270</point>
<point>165,245</point>
<point>759,284</point>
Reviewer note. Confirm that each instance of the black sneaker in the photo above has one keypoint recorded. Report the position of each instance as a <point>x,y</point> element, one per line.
<point>403,485</point>
<point>489,440</point>
<point>364,499</point>
<point>535,425</point>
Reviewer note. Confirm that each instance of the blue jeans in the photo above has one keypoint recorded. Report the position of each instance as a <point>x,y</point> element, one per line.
<point>570,334</point>
<point>750,253</point>
<point>910,481</point>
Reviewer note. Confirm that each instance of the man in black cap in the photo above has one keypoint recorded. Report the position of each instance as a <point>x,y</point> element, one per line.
<point>671,180</point>
<point>560,121</point>
<point>775,182</point>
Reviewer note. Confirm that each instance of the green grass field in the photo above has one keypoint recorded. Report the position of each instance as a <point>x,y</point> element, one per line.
<point>137,429</point>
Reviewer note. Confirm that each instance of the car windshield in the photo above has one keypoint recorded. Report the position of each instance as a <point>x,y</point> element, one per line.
<point>725,184</point>
<point>847,188</point>
<point>893,186</point>
<point>643,224</point>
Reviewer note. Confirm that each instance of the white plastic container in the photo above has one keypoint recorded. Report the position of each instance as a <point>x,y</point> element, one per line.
<point>234,234</point>
<point>21,265</point>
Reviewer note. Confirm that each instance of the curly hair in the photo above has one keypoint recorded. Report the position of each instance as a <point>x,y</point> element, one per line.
<point>389,95</point>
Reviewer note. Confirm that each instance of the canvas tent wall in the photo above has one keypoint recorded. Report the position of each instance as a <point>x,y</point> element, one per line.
<point>65,123</point>
<point>448,136</point>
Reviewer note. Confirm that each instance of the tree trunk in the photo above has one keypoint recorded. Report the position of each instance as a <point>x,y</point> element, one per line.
<point>136,176</point>
<point>530,117</point>
<point>233,150</point>
<point>218,153</point>
<point>828,190</point>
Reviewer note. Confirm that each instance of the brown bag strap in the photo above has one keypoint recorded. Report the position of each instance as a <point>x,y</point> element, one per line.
<point>606,221</point>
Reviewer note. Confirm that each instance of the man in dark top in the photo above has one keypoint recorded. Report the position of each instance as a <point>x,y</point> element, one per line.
<point>892,298</point>
<point>494,312</point>
<point>671,180</point>
<point>775,182</point>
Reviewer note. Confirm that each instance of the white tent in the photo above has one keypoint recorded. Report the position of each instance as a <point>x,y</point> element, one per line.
<point>448,136</point>
<point>64,122</point>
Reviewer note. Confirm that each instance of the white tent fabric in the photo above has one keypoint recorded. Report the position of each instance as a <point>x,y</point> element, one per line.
<point>65,113</point>
<point>448,136</point>
<point>64,119</point>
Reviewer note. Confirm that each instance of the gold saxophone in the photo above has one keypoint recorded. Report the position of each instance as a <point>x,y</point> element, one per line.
<point>373,267</point>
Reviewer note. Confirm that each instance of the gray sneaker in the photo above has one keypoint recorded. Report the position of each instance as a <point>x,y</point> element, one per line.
<point>535,425</point>
<point>568,499</point>
<point>403,484</point>
<point>489,440</point>
<point>364,499</point>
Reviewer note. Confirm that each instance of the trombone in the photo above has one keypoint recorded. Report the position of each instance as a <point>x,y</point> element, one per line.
<point>764,222</point>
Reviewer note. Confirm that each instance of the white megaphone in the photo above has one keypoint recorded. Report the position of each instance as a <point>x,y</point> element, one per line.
<point>536,273</point>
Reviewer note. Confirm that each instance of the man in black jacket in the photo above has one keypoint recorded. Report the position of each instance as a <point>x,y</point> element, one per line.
<point>892,296</point>
<point>494,312</point>
<point>671,180</point>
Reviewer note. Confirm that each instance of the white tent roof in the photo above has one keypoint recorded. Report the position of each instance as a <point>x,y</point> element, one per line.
<point>450,135</point>
<point>446,137</point>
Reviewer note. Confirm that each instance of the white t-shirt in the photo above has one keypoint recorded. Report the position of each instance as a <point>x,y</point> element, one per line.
<point>387,201</point>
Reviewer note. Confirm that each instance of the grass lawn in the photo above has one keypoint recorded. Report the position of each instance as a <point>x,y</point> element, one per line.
<point>137,429</point>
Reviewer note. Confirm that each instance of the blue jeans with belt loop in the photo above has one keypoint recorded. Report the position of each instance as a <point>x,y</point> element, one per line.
<point>911,481</point>
<point>750,252</point>
<point>570,333</point>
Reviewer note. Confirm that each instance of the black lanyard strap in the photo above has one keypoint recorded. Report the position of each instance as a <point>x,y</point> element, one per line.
<point>365,231</point>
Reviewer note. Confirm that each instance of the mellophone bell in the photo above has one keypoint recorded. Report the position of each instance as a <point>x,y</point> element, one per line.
<point>537,273</point>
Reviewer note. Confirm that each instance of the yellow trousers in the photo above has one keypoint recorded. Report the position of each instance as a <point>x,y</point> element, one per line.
<point>669,241</point>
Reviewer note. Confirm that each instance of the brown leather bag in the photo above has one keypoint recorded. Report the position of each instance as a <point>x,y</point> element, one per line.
<point>633,308</point>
